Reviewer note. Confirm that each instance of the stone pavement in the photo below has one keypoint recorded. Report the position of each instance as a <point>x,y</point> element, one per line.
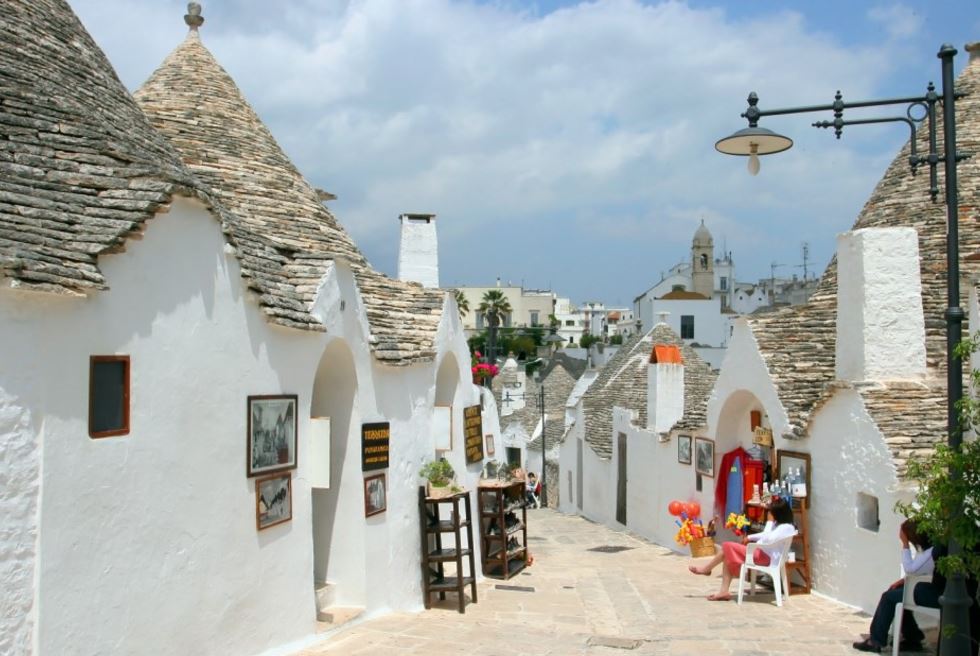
<point>637,601</point>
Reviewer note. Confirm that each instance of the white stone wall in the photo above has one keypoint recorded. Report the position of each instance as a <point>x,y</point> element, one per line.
<point>849,456</point>
<point>149,539</point>
<point>879,305</point>
<point>665,395</point>
<point>710,325</point>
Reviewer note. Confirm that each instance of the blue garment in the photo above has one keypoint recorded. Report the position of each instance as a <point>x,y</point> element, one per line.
<point>734,499</point>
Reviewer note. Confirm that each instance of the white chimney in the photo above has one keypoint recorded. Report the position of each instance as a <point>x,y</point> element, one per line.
<point>665,388</point>
<point>418,255</point>
<point>880,324</point>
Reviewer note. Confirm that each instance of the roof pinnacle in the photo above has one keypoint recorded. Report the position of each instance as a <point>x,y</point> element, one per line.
<point>193,16</point>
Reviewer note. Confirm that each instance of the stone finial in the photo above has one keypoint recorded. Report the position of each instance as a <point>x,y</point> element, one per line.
<point>193,16</point>
<point>974,50</point>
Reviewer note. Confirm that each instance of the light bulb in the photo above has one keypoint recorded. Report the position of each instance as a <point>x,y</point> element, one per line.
<point>754,160</point>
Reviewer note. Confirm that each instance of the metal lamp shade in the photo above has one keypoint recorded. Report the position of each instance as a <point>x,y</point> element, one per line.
<point>766,141</point>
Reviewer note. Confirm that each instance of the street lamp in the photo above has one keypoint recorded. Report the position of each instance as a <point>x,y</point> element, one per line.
<point>755,141</point>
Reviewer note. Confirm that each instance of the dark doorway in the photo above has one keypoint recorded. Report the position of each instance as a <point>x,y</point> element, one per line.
<point>621,480</point>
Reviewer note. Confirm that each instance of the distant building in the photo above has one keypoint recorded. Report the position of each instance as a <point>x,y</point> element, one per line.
<point>529,307</point>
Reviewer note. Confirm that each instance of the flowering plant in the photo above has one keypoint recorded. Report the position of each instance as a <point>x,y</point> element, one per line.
<point>482,370</point>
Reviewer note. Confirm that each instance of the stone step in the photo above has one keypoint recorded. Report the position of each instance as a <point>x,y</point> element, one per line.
<point>326,593</point>
<point>334,616</point>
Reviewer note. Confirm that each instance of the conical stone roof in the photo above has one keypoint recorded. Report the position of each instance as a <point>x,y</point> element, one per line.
<point>196,104</point>
<point>80,166</point>
<point>798,343</point>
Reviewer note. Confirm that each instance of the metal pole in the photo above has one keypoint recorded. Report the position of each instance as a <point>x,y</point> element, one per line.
<point>544,463</point>
<point>955,623</point>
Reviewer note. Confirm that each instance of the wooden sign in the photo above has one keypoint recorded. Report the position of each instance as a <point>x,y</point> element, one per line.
<point>374,445</point>
<point>473,433</point>
<point>762,436</point>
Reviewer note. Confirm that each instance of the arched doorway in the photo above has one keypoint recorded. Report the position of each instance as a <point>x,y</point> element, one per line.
<point>447,382</point>
<point>338,536</point>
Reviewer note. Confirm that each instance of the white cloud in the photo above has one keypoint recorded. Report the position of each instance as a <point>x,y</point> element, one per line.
<point>599,114</point>
<point>898,20</point>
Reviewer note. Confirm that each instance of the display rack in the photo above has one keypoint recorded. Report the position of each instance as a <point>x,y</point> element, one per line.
<point>435,555</point>
<point>503,529</point>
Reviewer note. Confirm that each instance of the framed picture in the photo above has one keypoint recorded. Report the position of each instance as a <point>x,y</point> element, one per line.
<point>684,449</point>
<point>490,449</point>
<point>273,500</point>
<point>704,456</point>
<point>375,495</point>
<point>786,460</point>
<point>272,424</point>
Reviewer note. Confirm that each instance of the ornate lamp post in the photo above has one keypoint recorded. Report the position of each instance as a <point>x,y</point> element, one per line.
<point>754,141</point>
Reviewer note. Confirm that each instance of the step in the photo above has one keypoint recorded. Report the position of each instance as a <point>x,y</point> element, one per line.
<point>332,617</point>
<point>326,594</point>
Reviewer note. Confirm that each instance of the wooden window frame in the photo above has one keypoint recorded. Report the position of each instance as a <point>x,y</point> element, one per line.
<point>93,360</point>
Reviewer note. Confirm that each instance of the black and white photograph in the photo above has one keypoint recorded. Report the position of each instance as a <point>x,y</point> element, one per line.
<point>272,424</point>
<point>704,456</point>
<point>375,495</point>
<point>684,449</point>
<point>273,500</point>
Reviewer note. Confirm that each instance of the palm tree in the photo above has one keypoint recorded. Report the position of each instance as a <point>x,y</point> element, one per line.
<point>494,308</point>
<point>461,302</point>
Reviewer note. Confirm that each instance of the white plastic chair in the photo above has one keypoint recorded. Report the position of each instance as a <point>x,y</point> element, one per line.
<point>775,570</point>
<point>908,603</point>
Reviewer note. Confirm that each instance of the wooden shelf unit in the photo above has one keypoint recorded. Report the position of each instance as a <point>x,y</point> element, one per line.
<point>435,554</point>
<point>502,558</point>
<point>801,547</point>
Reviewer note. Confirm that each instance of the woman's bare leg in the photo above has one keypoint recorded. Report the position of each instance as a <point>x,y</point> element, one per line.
<point>705,569</point>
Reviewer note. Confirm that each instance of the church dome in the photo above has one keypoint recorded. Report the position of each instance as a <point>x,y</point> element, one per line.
<point>702,236</point>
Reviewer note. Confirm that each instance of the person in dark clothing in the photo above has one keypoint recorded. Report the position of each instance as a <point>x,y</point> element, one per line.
<point>920,562</point>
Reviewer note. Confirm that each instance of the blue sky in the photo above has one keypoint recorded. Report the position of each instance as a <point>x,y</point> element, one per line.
<point>561,144</point>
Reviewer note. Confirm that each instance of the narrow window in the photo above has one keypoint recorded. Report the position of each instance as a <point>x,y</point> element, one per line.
<point>724,283</point>
<point>108,396</point>
<point>534,318</point>
<point>687,326</point>
<point>867,512</point>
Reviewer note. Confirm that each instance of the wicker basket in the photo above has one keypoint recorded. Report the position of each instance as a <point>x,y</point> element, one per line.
<point>701,547</point>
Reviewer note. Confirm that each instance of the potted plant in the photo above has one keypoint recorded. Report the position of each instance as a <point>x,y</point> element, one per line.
<point>441,479</point>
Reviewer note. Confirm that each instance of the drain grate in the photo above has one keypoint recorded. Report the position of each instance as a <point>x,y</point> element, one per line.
<point>514,588</point>
<point>615,642</point>
<point>609,548</point>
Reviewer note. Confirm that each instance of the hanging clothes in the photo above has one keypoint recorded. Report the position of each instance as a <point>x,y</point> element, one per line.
<point>736,488</point>
<point>753,474</point>
<point>721,485</point>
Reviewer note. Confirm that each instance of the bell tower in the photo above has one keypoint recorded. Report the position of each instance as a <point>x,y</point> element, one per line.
<point>703,262</point>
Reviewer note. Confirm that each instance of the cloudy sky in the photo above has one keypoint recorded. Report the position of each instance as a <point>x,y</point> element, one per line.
<point>564,145</point>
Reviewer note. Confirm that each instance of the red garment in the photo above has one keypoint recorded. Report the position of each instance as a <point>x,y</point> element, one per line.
<point>752,471</point>
<point>721,483</point>
<point>735,556</point>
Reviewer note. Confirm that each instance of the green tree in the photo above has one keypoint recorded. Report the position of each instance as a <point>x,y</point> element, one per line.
<point>461,302</point>
<point>588,340</point>
<point>616,339</point>
<point>948,507</point>
<point>494,307</point>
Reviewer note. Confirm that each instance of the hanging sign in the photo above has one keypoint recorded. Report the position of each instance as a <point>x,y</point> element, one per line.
<point>473,433</point>
<point>762,436</point>
<point>374,445</point>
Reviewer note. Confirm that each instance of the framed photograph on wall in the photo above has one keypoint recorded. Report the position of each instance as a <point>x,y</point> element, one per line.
<point>375,495</point>
<point>704,456</point>
<point>684,449</point>
<point>490,447</point>
<point>786,460</point>
<point>273,500</point>
<point>272,427</point>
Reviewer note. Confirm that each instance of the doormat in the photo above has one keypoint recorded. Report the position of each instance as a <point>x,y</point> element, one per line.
<point>514,588</point>
<point>614,641</point>
<point>608,548</point>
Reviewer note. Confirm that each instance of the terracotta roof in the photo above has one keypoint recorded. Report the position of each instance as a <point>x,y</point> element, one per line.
<point>622,382</point>
<point>614,316</point>
<point>683,295</point>
<point>798,343</point>
<point>193,101</point>
<point>665,353</point>
<point>80,167</point>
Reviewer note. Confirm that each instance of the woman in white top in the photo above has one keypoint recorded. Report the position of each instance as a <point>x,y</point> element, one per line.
<point>916,561</point>
<point>778,527</point>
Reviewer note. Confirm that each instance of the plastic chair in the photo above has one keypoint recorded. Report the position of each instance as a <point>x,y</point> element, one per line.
<point>908,603</point>
<point>776,570</point>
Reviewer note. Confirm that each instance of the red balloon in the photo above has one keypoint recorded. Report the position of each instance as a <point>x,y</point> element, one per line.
<point>675,508</point>
<point>693,509</point>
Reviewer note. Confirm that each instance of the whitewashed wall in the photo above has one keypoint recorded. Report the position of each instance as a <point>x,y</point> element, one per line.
<point>849,456</point>
<point>710,325</point>
<point>150,538</point>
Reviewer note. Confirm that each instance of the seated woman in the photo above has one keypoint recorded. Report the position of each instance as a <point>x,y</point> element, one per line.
<point>778,527</point>
<point>924,594</point>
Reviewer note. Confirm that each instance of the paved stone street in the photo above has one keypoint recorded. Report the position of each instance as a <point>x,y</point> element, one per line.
<point>638,601</point>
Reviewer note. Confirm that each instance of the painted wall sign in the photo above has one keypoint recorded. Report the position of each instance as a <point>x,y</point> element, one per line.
<point>473,433</point>
<point>374,445</point>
